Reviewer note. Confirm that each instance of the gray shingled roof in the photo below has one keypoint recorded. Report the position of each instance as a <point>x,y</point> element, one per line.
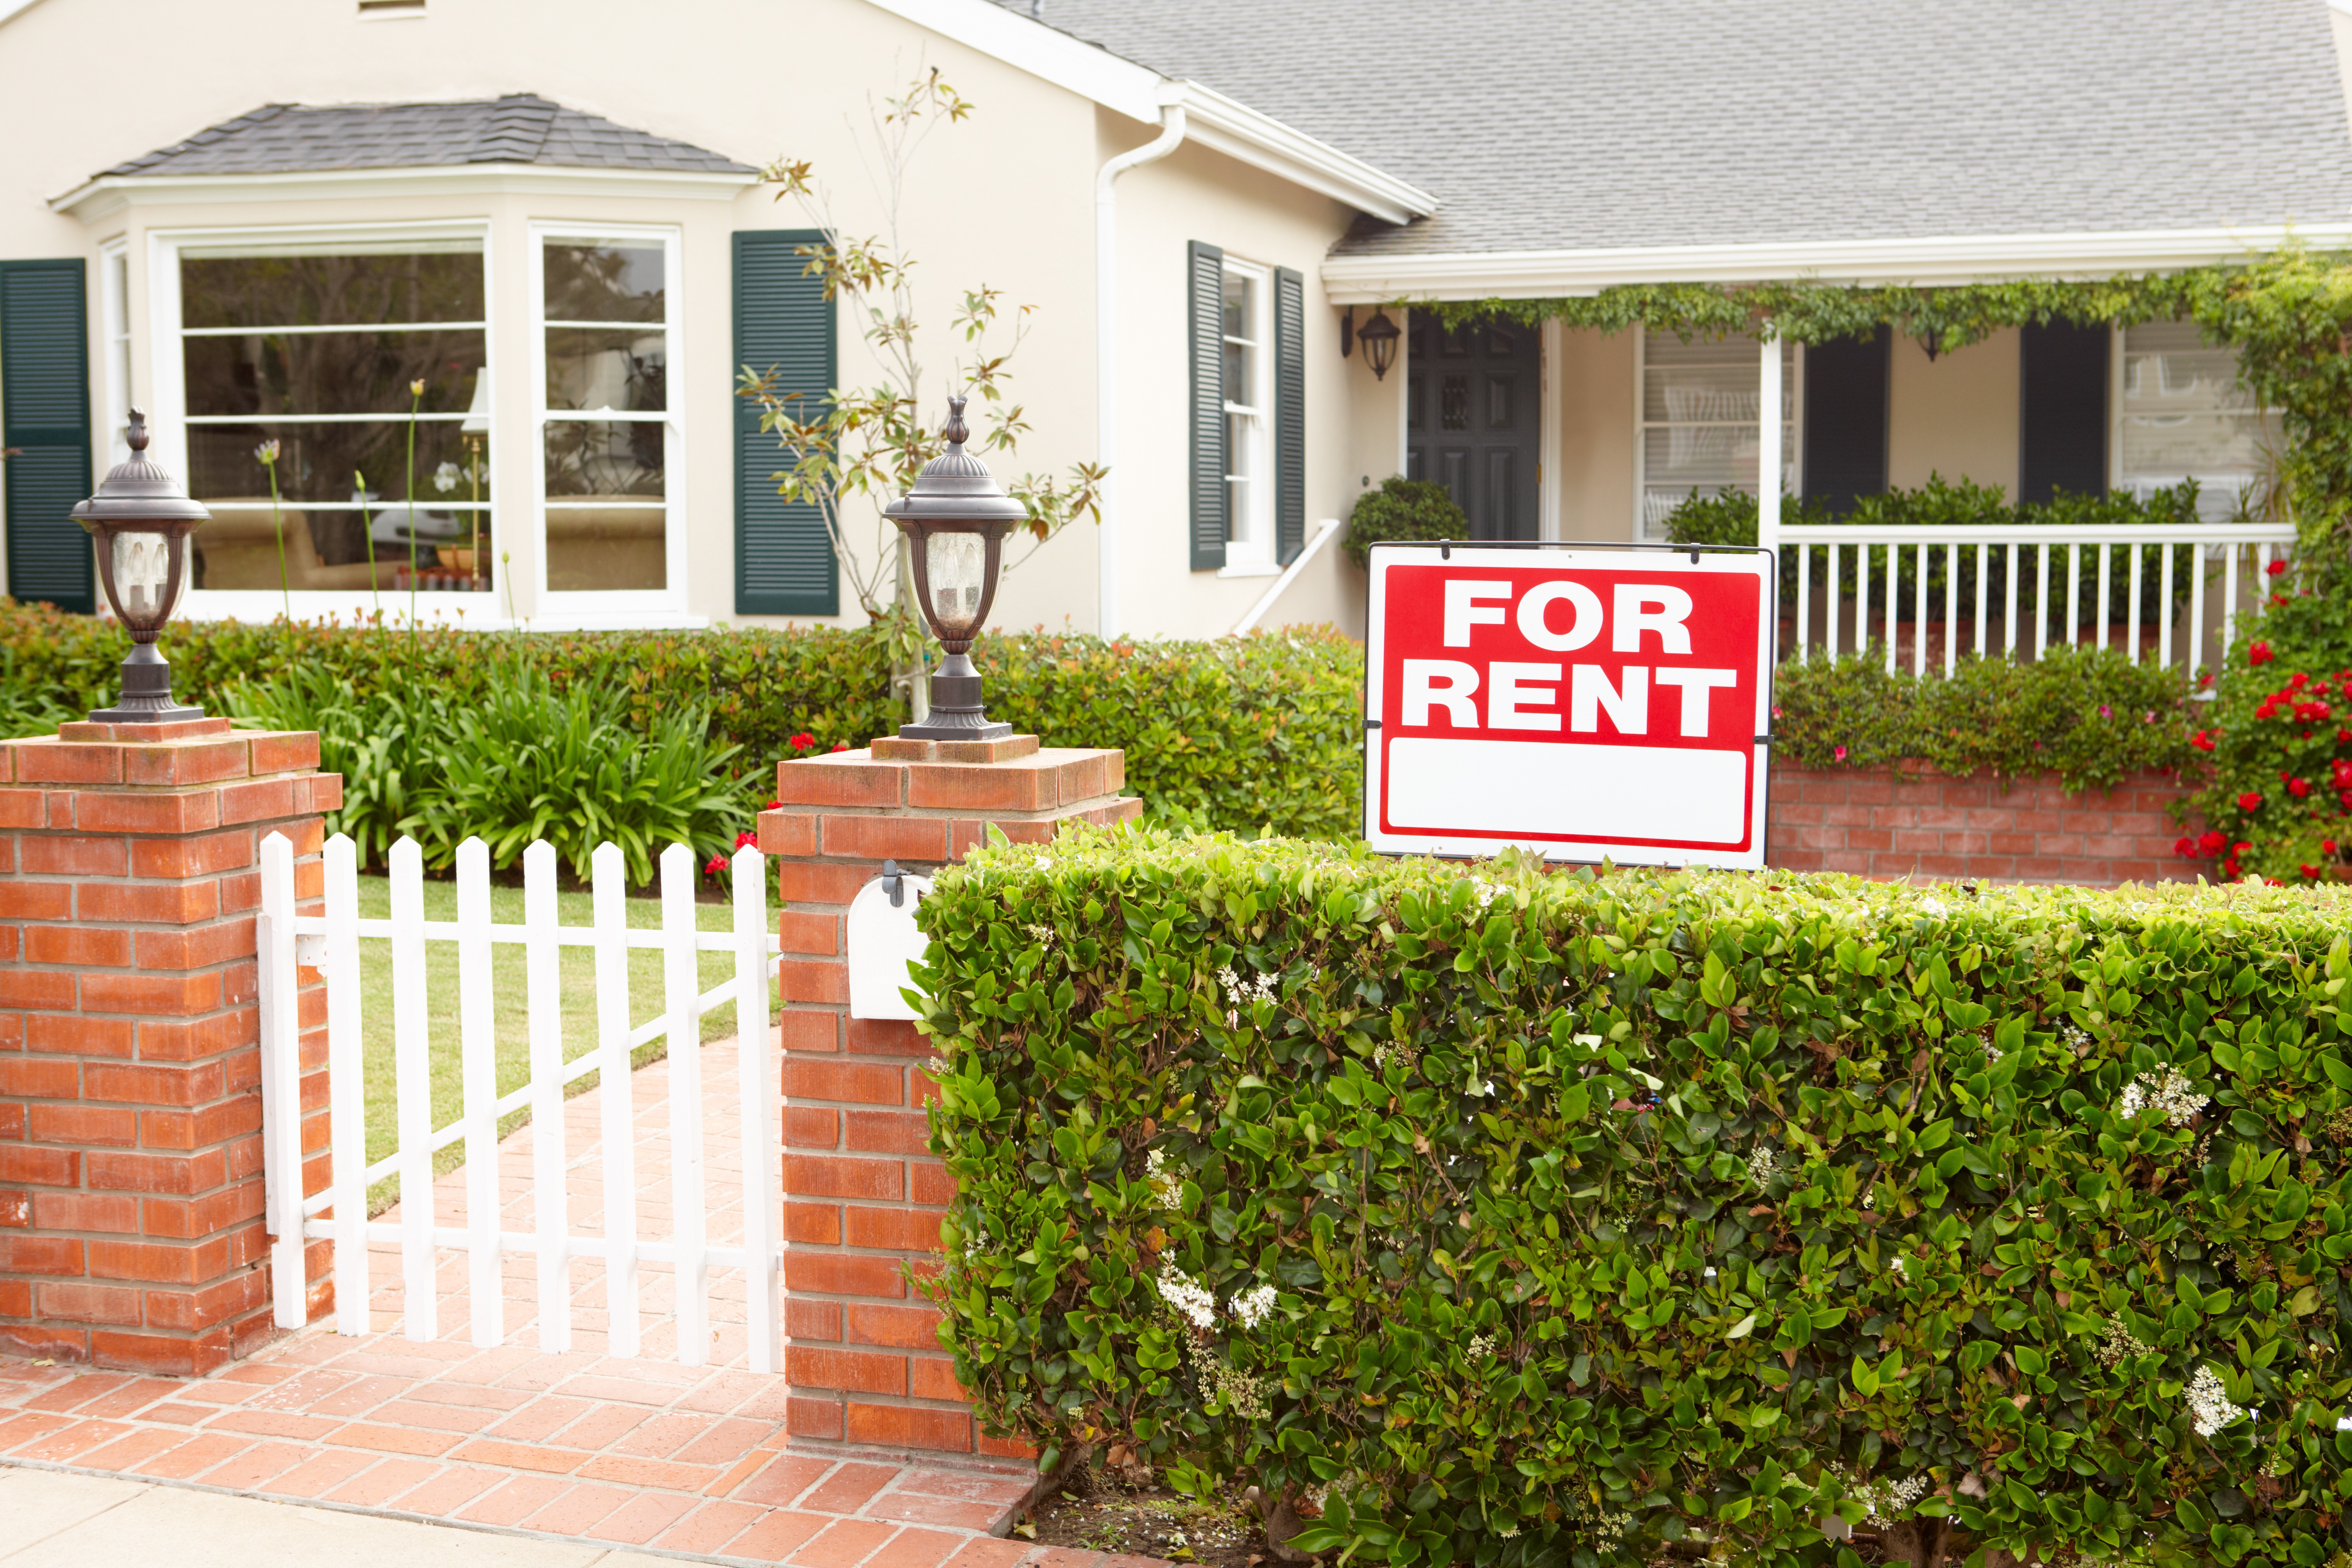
<point>521,128</point>
<point>1567,124</point>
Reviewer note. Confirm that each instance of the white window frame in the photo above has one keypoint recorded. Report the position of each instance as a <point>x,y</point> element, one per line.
<point>170,446</point>
<point>621,606</point>
<point>1792,391</point>
<point>1250,551</point>
<point>2117,478</point>
<point>114,326</point>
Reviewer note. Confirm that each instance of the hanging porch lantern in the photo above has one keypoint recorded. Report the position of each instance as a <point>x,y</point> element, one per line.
<point>956,519</point>
<point>141,518</point>
<point>1378,337</point>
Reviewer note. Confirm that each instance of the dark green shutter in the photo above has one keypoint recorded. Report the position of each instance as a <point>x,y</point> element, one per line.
<point>45,416</point>
<point>783,323</point>
<point>2063,370</point>
<point>1205,278</point>
<point>1844,426</point>
<point>1289,414</point>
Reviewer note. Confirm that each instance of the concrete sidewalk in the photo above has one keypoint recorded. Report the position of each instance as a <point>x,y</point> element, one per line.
<point>52,1518</point>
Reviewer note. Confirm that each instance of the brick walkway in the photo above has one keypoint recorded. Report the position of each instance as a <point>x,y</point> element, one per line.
<point>579,1446</point>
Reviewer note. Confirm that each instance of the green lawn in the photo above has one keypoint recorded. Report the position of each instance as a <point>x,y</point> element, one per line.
<point>579,1007</point>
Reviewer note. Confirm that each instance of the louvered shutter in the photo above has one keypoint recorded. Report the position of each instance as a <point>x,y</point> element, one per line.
<point>45,416</point>
<point>1205,276</point>
<point>783,323</point>
<point>1289,414</point>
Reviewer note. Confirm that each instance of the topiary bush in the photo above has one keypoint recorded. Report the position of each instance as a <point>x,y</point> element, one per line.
<point>1403,509</point>
<point>1486,1216</point>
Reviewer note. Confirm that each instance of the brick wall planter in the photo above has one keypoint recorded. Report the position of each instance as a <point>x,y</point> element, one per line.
<point>130,1180</point>
<point>1912,822</point>
<point>863,1197</point>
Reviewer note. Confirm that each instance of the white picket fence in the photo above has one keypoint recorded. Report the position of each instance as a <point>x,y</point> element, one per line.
<point>2235,555</point>
<point>331,942</point>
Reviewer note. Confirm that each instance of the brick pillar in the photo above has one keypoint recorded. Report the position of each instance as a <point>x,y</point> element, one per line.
<point>130,1180</point>
<point>862,1196</point>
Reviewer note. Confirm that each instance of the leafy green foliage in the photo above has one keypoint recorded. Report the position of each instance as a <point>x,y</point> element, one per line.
<point>515,762</point>
<point>1609,1217</point>
<point>2088,715</point>
<point>1403,509</point>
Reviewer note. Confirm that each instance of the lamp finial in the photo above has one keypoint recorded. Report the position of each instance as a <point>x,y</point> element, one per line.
<point>956,432</point>
<point>138,434</point>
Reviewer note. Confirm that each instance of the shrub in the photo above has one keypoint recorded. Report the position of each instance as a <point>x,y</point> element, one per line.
<point>1403,509</point>
<point>2088,715</point>
<point>1519,1219</point>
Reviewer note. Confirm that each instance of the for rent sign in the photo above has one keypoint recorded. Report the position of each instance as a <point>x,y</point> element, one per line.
<point>1587,703</point>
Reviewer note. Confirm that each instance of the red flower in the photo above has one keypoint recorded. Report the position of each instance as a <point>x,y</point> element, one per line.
<point>2275,567</point>
<point>2184,846</point>
<point>2344,737</point>
<point>2298,787</point>
<point>718,864</point>
<point>774,805</point>
<point>2250,801</point>
<point>2259,653</point>
<point>841,745</point>
<point>2239,849</point>
<point>2311,871</point>
<point>801,741</point>
<point>744,838</point>
<point>2230,869</point>
<point>2202,740</point>
<point>2213,841</point>
<point>2328,847</point>
<point>2297,681</point>
<point>2206,679</point>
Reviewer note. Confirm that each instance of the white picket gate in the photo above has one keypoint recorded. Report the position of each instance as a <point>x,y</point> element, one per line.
<point>331,942</point>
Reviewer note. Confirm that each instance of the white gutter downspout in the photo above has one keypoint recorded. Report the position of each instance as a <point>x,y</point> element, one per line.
<point>1172,134</point>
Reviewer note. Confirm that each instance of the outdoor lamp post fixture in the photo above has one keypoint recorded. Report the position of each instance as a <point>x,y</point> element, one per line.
<point>956,518</point>
<point>1378,337</point>
<point>141,519</point>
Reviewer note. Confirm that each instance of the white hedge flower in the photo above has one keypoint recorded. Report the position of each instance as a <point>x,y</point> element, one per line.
<point>1254,1306</point>
<point>1762,1168</point>
<point>2169,1092</point>
<point>1190,1301</point>
<point>2210,1409</point>
<point>1167,1186</point>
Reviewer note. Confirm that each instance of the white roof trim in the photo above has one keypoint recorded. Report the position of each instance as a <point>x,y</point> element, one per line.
<point>1139,92</point>
<point>109,194</point>
<point>1240,132</point>
<point>1957,258</point>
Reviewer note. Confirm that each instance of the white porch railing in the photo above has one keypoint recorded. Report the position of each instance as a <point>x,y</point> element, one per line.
<point>2053,562</point>
<point>331,942</point>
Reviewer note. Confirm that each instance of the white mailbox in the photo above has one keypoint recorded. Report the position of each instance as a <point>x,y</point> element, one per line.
<point>882,942</point>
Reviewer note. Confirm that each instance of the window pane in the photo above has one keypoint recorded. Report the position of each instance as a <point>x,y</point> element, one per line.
<point>1241,467</point>
<point>1237,306</point>
<point>323,290</point>
<point>605,549</point>
<point>591,457</point>
<point>326,548</point>
<point>607,367</point>
<point>605,282</point>
<point>2185,417</point>
<point>317,460</point>
<point>333,373</point>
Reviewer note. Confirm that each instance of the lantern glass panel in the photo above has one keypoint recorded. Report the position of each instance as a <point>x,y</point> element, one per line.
<point>956,564</point>
<point>143,569</point>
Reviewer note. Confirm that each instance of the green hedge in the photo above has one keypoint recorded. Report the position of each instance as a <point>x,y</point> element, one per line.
<point>1547,1219</point>
<point>1236,733</point>
<point>2088,715</point>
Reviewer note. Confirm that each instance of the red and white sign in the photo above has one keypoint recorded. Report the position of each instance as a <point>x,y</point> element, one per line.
<point>1584,702</point>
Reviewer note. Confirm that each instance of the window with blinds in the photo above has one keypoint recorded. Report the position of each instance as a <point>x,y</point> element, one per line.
<point>2181,415</point>
<point>1699,421</point>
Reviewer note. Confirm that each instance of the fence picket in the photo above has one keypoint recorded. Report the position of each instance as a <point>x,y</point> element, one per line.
<point>2164,595</point>
<point>762,1140</point>
<point>543,994</point>
<point>413,1091</point>
<point>2041,601</point>
<point>2106,559</point>
<point>1894,591</point>
<point>2008,617</point>
<point>1805,602</point>
<point>2135,603</point>
<point>346,1086</point>
<point>2073,594</point>
<point>282,1084</point>
<point>1918,613</point>
<point>2229,599</point>
<point>615,1103</point>
<point>688,1218</point>
<point>1861,598</point>
<point>478,1075</point>
<point>1952,606</point>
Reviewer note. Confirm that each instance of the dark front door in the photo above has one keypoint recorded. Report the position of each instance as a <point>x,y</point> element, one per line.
<point>1472,405</point>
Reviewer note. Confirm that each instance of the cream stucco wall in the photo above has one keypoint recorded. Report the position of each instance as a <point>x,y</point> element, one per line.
<point>1954,416</point>
<point>1004,198</point>
<point>1597,433</point>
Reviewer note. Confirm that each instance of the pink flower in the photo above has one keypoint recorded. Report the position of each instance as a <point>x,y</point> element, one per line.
<point>2106,712</point>
<point>1840,753</point>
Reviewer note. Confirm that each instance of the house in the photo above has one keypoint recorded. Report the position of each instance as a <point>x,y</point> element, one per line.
<point>265,223</point>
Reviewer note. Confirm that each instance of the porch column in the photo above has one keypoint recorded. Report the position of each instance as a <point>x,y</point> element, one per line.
<point>1768,434</point>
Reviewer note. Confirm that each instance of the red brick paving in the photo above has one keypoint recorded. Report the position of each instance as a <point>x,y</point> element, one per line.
<point>583,1445</point>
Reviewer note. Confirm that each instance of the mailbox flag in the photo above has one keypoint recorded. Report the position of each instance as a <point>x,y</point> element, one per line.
<point>1585,702</point>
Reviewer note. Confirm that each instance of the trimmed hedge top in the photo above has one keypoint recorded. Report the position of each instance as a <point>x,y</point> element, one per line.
<point>1504,1217</point>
